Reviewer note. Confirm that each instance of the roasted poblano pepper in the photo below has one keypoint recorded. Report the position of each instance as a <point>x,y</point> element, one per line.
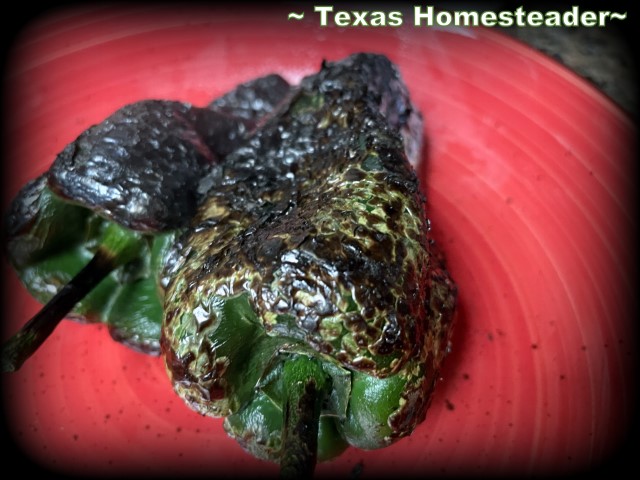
<point>121,192</point>
<point>301,294</point>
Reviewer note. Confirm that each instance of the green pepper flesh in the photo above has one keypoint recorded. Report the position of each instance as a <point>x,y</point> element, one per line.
<point>312,241</point>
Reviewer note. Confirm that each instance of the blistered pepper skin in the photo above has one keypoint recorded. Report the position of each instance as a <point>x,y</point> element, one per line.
<point>138,169</point>
<point>273,245</point>
<point>317,228</point>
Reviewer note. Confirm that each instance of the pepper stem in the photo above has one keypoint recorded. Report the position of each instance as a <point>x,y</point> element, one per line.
<point>306,384</point>
<point>117,247</point>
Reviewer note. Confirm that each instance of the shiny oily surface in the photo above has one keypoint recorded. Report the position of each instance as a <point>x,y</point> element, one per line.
<point>528,173</point>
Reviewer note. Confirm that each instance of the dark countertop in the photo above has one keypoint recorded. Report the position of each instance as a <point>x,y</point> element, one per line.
<point>601,55</point>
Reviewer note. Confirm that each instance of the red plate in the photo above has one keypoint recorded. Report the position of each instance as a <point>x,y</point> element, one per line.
<point>528,172</point>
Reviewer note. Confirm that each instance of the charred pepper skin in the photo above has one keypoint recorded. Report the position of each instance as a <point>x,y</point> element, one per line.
<point>50,240</point>
<point>313,242</point>
<point>139,169</point>
<point>141,166</point>
<point>277,254</point>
